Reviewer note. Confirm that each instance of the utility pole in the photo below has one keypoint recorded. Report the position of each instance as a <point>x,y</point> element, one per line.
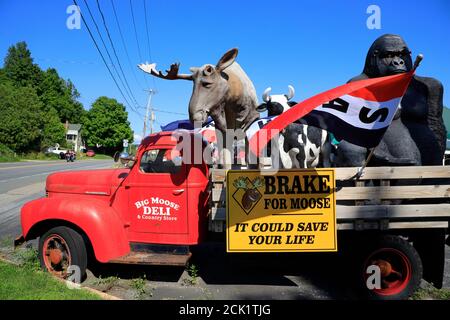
<point>148,111</point>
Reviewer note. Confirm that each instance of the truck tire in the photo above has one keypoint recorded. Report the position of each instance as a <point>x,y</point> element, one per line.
<point>62,155</point>
<point>61,247</point>
<point>400,269</point>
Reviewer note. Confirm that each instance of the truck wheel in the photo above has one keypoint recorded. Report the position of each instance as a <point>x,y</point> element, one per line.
<point>61,247</point>
<point>400,269</point>
<point>62,155</point>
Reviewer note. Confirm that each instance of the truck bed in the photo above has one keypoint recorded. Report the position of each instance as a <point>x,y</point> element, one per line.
<point>382,198</point>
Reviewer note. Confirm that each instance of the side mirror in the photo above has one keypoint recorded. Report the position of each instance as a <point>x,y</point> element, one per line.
<point>123,157</point>
<point>116,156</point>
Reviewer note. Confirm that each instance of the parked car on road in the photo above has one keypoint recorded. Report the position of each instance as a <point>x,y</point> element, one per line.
<point>90,153</point>
<point>57,150</point>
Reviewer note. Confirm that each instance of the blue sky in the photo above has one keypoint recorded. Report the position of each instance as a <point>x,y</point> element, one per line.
<point>312,45</point>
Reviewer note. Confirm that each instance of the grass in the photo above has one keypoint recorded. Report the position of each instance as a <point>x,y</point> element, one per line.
<point>26,283</point>
<point>105,284</point>
<point>138,284</point>
<point>431,293</point>
<point>98,156</point>
<point>192,271</point>
<point>28,258</point>
<point>39,156</point>
<point>9,159</point>
<point>7,155</point>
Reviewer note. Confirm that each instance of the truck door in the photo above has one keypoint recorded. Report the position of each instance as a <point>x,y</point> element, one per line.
<point>157,194</point>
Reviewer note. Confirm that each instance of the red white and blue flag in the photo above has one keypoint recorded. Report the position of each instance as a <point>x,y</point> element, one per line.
<point>359,112</point>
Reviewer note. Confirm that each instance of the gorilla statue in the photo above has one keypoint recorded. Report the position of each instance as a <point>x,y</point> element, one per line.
<point>417,135</point>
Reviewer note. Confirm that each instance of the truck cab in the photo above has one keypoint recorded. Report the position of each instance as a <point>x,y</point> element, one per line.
<point>148,213</point>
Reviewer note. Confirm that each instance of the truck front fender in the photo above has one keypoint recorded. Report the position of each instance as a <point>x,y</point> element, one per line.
<point>101,223</point>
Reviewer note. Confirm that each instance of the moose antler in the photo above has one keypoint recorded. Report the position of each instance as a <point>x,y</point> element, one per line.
<point>171,74</point>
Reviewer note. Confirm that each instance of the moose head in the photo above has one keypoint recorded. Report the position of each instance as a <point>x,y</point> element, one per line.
<point>222,91</point>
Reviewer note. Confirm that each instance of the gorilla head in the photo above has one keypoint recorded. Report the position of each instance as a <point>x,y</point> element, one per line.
<point>388,55</point>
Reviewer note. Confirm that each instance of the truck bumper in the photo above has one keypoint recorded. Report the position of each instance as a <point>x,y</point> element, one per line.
<point>18,241</point>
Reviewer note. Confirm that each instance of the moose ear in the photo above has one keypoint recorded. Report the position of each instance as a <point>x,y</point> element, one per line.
<point>193,69</point>
<point>227,59</point>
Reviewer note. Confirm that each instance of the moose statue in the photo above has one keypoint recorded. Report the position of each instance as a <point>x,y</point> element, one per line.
<point>222,91</point>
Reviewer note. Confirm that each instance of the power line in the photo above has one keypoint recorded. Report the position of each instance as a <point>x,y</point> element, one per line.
<point>124,46</point>
<point>137,41</point>
<point>115,53</point>
<point>170,112</point>
<point>101,54</point>
<point>146,31</point>
<point>148,39</point>
<point>107,52</point>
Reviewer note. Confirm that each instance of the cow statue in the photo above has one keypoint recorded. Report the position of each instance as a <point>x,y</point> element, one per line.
<point>299,145</point>
<point>222,91</point>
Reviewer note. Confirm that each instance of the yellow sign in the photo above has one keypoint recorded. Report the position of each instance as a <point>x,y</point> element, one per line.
<point>290,211</point>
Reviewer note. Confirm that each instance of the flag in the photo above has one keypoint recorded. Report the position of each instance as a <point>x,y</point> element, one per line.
<point>359,112</point>
<point>182,124</point>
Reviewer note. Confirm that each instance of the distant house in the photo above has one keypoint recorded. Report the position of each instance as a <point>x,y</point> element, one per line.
<point>73,136</point>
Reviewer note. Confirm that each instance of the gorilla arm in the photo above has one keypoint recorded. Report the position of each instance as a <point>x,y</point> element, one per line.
<point>435,108</point>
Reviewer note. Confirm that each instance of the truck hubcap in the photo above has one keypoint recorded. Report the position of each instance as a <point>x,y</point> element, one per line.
<point>56,255</point>
<point>395,270</point>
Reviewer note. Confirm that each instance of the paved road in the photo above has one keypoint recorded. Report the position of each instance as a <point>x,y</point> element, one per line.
<point>24,181</point>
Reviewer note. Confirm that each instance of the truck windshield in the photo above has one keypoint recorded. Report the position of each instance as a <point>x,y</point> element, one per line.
<point>159,161</point>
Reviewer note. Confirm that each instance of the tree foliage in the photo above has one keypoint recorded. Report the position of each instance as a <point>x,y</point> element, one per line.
<point>106,125</point>
<point>19,66</point>
<point>60,95</point>
<point>34,104</point>
<point>53,131</point>
<point>20,118</point>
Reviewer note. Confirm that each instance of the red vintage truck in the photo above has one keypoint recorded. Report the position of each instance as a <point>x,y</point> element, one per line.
<point>154,210</point>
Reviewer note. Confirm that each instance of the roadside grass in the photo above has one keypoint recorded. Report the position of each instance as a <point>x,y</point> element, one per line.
<point>27,282</point>
<point>7,155</point>
<point>106,284</point>
<point>99,156</point>
<point>192,271</point>
<point>429,292</point>
<point>39,156</point>
<point>9,159</point>
<point>138,284</point>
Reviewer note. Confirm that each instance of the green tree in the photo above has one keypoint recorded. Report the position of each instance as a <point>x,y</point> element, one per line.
<point>20,118</point>
<point>106,125</point>
<point>53,131</point>
<point>19,67</point>
<point>61,95</point>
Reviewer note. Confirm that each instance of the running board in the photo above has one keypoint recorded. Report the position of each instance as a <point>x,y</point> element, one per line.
<point>151,258</point>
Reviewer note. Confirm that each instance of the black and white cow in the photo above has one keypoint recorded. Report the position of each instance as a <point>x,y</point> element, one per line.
<point>299,145</point>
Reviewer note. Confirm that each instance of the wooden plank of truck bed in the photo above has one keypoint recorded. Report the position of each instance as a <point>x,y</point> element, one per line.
<point>385,173</point>
<point>374,210</point>
<point>397,216</point>
<point>373,193</point>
